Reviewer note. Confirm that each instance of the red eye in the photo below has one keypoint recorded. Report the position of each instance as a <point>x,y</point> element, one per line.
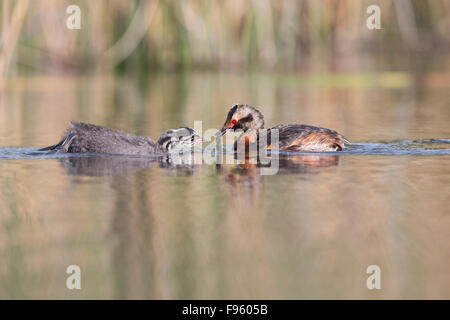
<point>233,121</point>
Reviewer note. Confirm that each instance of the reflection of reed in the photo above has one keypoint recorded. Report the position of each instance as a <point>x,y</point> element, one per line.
<point>246,183</point>
<point>247,221</point>
<point>133,258</point>
<point>244,225</point>
<point>10,32</point>
<point>228,234</point>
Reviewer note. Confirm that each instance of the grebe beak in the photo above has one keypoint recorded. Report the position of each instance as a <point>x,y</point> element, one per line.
<point>222,131</point>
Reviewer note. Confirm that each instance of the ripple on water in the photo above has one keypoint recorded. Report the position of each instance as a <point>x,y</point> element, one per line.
<point>416,147</point>
<point>402,147</point>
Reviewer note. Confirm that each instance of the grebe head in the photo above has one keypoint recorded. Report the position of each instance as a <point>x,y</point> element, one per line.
<point>179,139</point>
<point>243,117</point>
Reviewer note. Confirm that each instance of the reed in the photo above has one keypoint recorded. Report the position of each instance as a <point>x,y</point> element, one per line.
<point>11,27</point>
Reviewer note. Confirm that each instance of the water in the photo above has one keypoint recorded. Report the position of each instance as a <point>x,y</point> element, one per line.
<point>156,228</point>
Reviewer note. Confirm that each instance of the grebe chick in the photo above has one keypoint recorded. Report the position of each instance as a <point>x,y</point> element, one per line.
<point>298,137</point>
<point>86,137</point>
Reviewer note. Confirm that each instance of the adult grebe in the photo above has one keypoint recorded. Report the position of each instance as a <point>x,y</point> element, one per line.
<point>86,137</point>
<point>298,137</point>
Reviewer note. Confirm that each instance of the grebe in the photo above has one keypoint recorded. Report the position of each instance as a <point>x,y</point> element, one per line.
<point>86,137</point>
<point>298,137</point>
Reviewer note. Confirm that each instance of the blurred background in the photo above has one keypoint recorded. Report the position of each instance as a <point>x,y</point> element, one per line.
<point>149,65</point>
<point>140,229</point>
<point>142,36</point>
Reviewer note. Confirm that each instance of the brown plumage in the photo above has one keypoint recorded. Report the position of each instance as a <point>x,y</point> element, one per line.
<point>297,137</point>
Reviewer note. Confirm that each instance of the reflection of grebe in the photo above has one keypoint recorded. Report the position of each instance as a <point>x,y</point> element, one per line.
<point>291,137</point>
<point>85,137</point>
<point>302,163</point>
<point>290,163</point>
